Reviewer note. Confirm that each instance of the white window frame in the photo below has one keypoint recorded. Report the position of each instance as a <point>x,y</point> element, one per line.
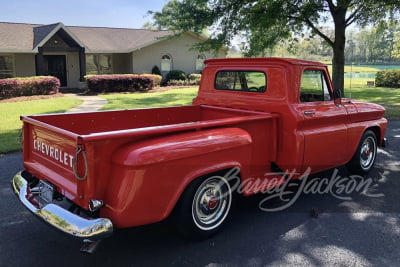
<point>166,63</point>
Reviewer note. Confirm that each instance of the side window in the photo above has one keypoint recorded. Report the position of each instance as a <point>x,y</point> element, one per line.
<point>249,81</point>
<point>314,87</point>
<point>7,67</point>
<point>98,64</point>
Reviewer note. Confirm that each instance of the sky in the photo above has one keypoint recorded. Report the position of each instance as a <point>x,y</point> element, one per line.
<point>97,13</point>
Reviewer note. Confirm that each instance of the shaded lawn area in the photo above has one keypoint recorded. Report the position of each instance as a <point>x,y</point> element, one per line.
<point>10,123</point>
<point>173,97</point>
<point>387,97</point>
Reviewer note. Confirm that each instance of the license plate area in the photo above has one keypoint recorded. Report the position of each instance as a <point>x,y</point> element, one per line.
<point>46,192</point>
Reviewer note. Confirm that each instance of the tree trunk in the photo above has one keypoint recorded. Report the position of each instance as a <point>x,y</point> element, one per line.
<point>338,50</point>
<point>338,67</point>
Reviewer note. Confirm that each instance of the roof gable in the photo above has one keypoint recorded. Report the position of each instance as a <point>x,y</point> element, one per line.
<point>42,34</point>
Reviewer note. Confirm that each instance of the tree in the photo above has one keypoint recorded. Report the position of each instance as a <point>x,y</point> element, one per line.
<point>266,22</point>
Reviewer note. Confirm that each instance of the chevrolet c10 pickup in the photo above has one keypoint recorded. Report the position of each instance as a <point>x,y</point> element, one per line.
<point>89,173</point>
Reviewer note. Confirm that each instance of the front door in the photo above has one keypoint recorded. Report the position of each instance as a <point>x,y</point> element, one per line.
<point>324,123</point>
<point>56,66</point>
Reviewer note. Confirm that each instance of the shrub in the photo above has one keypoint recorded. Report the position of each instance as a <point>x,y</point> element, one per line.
<point>178,75</point>
<point>177,83</point>
<point>156,78</point>
<point>156,70</point>
<point>119,83</point>
<point>27,86</point>
<point>388,78</point>
<point>194,79</point>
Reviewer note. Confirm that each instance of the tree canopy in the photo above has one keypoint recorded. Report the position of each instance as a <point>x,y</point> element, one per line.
<point>265,22</point>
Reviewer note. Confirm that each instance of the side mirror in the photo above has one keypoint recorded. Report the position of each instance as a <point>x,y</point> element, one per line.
<point>337,97</point>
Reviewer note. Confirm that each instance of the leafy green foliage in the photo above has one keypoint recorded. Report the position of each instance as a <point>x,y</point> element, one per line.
<point>388,78</point>
<point>178,75</point>
<point>265,22</point>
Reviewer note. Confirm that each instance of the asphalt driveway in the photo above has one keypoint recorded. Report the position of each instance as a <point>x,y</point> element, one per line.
<point>360,227</point>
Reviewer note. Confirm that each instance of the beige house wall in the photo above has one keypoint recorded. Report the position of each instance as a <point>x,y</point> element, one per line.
<point>179,49</point>
<point>24,65</point>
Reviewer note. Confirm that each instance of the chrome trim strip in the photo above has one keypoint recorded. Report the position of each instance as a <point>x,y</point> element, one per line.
<point>60,218</point>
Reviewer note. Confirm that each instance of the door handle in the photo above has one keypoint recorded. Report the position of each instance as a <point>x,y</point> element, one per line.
<point>309,112</point>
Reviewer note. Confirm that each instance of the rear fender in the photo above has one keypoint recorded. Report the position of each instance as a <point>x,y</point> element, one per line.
<point>181,146</point>
<point>150,176</point>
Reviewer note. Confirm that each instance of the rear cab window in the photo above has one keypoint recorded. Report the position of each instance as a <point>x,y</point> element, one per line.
<point>238,80</point>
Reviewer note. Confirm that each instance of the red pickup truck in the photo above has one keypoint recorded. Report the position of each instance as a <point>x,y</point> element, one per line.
<point>87,173</point>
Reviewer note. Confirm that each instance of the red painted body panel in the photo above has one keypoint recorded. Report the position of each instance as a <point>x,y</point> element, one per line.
<point>139,162</point>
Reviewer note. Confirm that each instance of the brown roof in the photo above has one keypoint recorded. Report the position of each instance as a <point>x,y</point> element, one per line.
<point>21,37</point>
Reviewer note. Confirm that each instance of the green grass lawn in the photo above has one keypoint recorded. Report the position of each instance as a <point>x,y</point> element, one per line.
<point>10,113</point>
<point>174,97</point>
<point>357,89</point>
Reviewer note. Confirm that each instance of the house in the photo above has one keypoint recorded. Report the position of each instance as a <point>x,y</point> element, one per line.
<point>71,52</point>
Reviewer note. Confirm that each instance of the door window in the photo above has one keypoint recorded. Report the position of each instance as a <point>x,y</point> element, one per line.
<point>314,86</point>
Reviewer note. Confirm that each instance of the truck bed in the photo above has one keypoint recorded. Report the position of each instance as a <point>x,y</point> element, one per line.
<point>58,146</point>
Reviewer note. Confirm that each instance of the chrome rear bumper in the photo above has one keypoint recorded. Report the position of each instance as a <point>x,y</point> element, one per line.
<point>60,218</point>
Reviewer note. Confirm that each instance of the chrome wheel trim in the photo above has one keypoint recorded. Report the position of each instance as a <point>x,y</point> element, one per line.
<point>211,203</point>
<point>368,152</point>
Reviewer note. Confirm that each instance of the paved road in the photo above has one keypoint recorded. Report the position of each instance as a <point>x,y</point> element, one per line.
<point>317,230</point>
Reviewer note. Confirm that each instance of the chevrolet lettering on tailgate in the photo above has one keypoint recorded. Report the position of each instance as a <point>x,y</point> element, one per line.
<point>53,152</point>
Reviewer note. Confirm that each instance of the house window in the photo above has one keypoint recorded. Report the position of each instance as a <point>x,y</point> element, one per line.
<point>166,63</point>
<point>7,67</point>
<point>200,62</point>
<point>314,87</point>
<point>98,64</point>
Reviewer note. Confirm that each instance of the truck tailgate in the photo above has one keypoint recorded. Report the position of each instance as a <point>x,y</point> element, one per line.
<point>49,153</point>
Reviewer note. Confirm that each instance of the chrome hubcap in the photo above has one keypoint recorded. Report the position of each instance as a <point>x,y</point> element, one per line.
<point>367,154</point>
<point>211,203</point>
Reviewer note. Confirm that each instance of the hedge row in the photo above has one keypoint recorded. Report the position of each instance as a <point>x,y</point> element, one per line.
<point>27,86</point>
<point>120,83</point>
<point>388,78</point>
<point>190,79</point>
